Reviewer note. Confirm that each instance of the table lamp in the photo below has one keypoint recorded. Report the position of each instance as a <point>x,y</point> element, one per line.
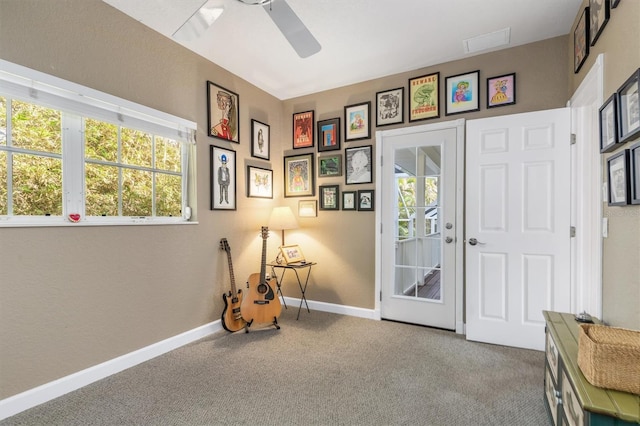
<point>282,218</point>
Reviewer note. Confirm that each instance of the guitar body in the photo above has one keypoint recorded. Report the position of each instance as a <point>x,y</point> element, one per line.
<point>261,303</point>
<point>231,316</point>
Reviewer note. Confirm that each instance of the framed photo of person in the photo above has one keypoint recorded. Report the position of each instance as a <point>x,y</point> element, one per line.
<point>462,93</point>
<point>259,182</point>
<point>618,178</point>
<point>366,200</point>
<point>390,107</point>
<point>358,165</point>
<point>329,135</point>
<point>223,178</point>
<point>298,176</point>
<point>629,108</point>
<point>357,121</point>
<point>223,113</point>
<point>260,142</point>
<point>424,97</point>
<point>303,129</point>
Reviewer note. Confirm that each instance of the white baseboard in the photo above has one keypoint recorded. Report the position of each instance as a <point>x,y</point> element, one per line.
<point>41,394</point>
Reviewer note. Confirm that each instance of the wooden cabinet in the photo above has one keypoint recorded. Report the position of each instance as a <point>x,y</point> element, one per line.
<point>570,399</point>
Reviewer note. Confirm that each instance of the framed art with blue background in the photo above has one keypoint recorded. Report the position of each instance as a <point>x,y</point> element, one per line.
<point>462,93</point>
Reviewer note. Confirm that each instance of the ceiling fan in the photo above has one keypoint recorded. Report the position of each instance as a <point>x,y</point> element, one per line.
<point>293,29</point>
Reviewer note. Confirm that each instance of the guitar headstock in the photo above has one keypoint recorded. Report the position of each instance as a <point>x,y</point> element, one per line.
<point>224,245</point>
<point>265,232</point>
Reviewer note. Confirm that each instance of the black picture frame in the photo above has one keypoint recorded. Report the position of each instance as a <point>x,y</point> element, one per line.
<point>299,178</point>
<point>260,140</point>
<point>329,197</point>
<point>357,122</point>
<point>462,93</point>
<point>259,182</point>
<point>350,200</point>
<point>618,183</point>
<point>599,12</point>
<point>366,200</point>
<point>608,118</point>
<point>303,131</point>
<point>629,108</point>
<point>330,165</point>
<point>614,3</point>
<point>223,193</point>
<point>634,175</point>
<point>223,113</point>
<point>501,90</point>
<point>581,41</point>
<point>358,164</point>
<point>390,107</point>
<point>329,134</point>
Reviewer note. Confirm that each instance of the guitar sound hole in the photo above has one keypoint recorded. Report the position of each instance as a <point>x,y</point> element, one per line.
<point>262,288</point>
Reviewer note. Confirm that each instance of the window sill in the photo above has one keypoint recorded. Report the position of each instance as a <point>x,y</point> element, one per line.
<point>14,222</point>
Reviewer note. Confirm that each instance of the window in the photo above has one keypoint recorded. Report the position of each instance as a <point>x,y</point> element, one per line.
<point>93,159</point>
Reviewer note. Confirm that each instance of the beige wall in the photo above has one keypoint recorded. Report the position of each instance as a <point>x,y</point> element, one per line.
<point>620,43</point>
<point>74,297</point>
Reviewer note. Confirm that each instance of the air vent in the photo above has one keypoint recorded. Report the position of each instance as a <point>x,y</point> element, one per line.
<point>487,41</point>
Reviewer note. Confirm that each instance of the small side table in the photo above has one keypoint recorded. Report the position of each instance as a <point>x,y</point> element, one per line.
<point>295,267</point>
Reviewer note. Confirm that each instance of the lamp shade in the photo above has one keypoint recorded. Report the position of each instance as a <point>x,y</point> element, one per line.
<point>282,218</point>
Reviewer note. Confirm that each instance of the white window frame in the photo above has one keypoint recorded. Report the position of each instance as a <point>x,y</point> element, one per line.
<point>76,102</point>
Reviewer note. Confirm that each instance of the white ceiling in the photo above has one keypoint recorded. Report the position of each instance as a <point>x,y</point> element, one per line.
<point>361,39</point>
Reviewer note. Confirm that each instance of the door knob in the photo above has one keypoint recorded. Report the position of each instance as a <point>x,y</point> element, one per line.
<point>473,241</point>
<point>448,240</point>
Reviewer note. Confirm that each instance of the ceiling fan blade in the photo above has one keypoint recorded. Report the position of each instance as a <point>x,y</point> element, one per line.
<point>296,33</point>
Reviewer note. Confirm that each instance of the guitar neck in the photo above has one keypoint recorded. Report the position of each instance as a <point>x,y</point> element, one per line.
<point>231,276</point>
<point>263,264</point>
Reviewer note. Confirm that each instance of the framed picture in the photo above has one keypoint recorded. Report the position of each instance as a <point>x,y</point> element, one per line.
<point>298,176</point>
<point>501,90</point>
<point>359,165</point>
<point>598,18</point>
<point>349,200</point>
<point>329,134</point>
<point>618,178</point>
<point>634,166</point>
<point>365,200</point>
<point>259,182</point>
<point>307,208</point>
<point>424,97</point>
<point>614,3</point>
<point>581,40</point>
<point>223,179</point>
<point>292,254</point>
<point>629,108</point>
<point>329,197</point>
<point>303,129</point>
<point>608,124</point>
<point>330,165</point>
<point>390,107</point>
<point>223,113</point>
<point>357,121</point>
<point>462,93</point>
<point>260,140</point>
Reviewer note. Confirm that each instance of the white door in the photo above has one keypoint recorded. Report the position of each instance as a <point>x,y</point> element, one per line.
<point>517,225</point>
<point>418,217</point>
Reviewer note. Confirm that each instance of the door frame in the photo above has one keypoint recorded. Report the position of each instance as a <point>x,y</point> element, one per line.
<point>459,126</point>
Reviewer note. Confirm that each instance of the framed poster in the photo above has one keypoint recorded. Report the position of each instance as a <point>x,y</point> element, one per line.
<point>223,178</point>
<point>598,18</point>
<point>359,165</point>
<point>298,176</point>
<point>581,40</point>
<point>424,97</point>
<point>329,197</point>
<point>260,142</point>
<point>349,200</point>
<point>618,178</point>
<point>329,135</point>
<point>303,129</point>
<point>462,93</point>
<point>259,182</point>
<point>629,108</point>
<point>365,200</point>
<point>634,166</point>
<point>223,116</point>
<point>390,107</point>
<point>608,124</point>
<point>501,90</point>
<point>330,165</point>
<point>357,121</point>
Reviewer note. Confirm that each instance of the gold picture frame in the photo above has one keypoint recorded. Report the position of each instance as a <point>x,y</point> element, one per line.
<point>292,254</point>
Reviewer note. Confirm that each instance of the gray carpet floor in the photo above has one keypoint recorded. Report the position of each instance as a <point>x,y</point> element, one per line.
<point>324,369</point>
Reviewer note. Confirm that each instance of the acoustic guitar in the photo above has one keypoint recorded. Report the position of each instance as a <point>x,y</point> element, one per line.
<point>231,316</point>
<point>261,303</point>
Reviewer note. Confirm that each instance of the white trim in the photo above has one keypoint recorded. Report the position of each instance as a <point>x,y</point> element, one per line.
<point>353,311</point>
<point>41,394</point>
